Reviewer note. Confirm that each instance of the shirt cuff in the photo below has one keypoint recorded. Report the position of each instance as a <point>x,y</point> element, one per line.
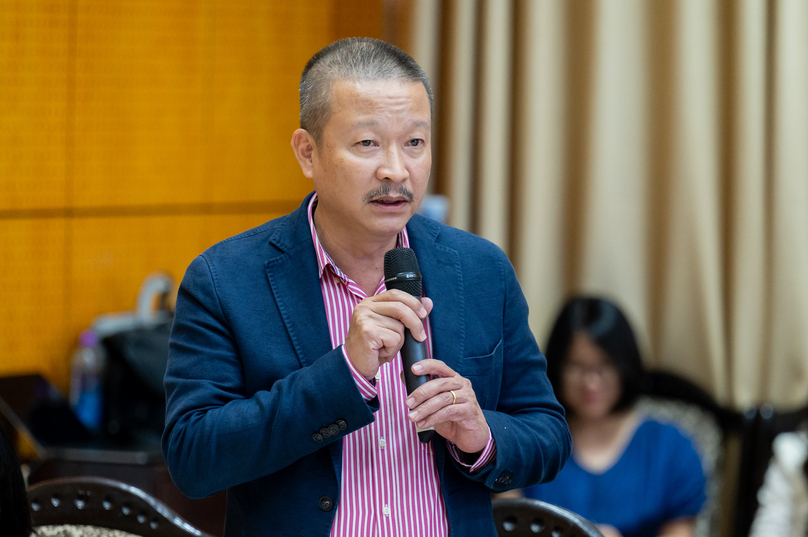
<point>366,387</point>
<point>488,454</point>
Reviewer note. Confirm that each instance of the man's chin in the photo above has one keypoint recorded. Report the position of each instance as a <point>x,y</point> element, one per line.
<point>391,224</point>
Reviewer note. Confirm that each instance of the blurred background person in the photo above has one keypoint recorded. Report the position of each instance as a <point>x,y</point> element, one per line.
<point>631,475</point>
<point>15,517</point>
<point>783,497</point>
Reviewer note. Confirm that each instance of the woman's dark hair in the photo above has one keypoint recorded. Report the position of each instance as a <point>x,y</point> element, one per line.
<point>609,329</point>
<point>15,518</point>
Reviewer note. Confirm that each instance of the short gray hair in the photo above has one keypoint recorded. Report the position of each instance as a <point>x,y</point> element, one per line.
<point>353,59</point>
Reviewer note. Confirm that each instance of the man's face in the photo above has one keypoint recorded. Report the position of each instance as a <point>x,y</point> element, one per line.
<point>372,166</point>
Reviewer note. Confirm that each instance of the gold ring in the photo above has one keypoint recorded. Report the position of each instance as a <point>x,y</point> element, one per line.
<point>453,396</point>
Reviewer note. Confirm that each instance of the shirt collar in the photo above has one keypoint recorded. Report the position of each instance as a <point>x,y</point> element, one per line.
<point>323,259</point>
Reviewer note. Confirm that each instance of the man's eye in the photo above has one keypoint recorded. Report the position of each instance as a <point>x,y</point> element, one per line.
<point>366,143</point>
<point>416,142</point>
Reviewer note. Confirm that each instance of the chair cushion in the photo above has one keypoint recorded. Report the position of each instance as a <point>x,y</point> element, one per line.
<point>70,530</point>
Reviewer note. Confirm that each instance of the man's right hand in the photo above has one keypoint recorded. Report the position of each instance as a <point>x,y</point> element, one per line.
<point>377,327</point>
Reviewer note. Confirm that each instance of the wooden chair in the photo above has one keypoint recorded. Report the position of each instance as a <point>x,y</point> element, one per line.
<point>518,517</point>
<point>104,503</point>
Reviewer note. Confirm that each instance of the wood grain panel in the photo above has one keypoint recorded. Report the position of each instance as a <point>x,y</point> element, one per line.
<point>33,103</point>
<point>356,18</point>
<point>261,49</point>
<point>139,102</point>
<point>112,256</point>
<point>133,135</point>
<point>32,310</point>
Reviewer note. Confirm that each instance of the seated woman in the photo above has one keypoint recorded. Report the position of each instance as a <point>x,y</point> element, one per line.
<point>631,475</point>
<point>783,498</point>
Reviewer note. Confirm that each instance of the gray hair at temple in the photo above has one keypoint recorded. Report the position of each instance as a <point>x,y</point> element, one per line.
<point>353,59</point>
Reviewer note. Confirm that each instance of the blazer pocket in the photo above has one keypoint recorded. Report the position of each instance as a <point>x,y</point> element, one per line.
<point>485,374</point>
<point>482,365</point>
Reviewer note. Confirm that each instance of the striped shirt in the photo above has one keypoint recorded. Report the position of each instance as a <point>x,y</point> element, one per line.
<point>390,486</point>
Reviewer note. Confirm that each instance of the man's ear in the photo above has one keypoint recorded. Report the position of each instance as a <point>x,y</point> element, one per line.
<point>305,148</point>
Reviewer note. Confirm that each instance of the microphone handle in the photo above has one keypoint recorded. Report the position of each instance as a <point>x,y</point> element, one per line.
<point>412,352</point>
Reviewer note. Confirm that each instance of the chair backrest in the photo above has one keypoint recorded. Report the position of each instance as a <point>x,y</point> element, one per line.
<point>105,503</point>
<point>517,517</point>
<point>667,385</point>
<point>676,400</point>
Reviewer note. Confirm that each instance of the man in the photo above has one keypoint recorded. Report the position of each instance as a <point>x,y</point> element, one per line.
<point>284,379</point>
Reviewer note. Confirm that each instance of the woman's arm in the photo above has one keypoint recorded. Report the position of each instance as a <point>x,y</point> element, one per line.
<point>509,494</point>
<point>678,527</point>
<point>609,531</point>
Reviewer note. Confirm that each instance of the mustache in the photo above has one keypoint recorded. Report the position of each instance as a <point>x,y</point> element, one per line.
<point>386,190</point>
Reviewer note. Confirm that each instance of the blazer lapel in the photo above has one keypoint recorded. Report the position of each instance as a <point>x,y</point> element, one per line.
<point>294,279</point>
<point>443,283</point>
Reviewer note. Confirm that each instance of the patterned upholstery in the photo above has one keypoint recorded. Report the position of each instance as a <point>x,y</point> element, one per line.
<point>68,530</point>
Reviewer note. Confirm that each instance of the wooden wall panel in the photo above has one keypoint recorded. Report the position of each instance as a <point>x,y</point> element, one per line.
<point>255,96</point>
<point>33,319</point>
<point>356,18</point>
<point>109,251</point>
<point>139,102</point>
<point>133,135</point>
<point>33,103</point>
<point>111,257</point>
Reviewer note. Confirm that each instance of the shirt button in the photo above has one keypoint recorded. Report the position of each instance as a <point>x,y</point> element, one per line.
<point>379,375</point>
<point>382,443</point>
<point>386,510</point>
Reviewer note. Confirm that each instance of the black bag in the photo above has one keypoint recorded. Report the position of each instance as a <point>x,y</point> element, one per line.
<point>134,400</point>
<point>136,350</point>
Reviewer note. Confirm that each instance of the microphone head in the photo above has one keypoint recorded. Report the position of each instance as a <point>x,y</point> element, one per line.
<point>401,271</point>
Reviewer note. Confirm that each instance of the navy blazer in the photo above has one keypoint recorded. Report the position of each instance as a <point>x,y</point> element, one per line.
<point>252,379</point>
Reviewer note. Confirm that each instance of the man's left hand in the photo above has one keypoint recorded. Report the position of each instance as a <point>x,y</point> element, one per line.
<point>458,419</point>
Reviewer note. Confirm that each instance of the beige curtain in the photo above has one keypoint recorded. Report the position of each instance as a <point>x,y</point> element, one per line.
<point>654,151</point>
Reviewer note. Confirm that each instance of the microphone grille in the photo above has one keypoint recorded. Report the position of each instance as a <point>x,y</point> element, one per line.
<point>401,260</point>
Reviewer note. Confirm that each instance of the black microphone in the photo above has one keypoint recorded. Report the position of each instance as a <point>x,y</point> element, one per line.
<point>401,272</point>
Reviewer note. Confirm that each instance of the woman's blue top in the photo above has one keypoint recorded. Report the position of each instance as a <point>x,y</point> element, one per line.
<point>658,478</point>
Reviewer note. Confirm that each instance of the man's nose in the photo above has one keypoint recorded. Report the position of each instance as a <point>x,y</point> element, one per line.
<point>393,167</point>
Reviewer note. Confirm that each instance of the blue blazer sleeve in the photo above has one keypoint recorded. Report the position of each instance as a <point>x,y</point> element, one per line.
<point>221,430</point>
<point>528,425</point>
